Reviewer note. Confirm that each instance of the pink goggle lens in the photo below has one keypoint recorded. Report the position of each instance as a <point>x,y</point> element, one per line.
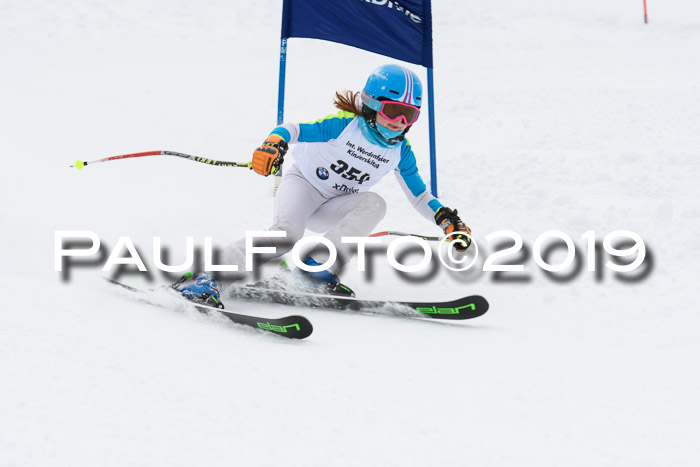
<point>394,111</point>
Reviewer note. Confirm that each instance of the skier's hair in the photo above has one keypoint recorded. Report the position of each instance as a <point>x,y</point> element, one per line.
<point>349,101</point>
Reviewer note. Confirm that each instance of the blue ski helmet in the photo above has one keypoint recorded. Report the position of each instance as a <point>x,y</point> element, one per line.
<point>396,84</point>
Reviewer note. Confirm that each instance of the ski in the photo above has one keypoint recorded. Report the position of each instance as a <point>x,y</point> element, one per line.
<point>292,327</point>
<point>468,307</point>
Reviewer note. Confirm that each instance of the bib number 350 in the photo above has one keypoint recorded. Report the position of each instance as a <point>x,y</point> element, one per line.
<point>349,173</point>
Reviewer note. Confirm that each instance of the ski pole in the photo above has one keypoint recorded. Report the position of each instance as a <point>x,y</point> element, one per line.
<point>404,234</point>
<point>646,18</point>
<point>80,164</point>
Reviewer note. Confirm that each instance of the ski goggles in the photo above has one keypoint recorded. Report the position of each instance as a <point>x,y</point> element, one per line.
<point>391,110</point>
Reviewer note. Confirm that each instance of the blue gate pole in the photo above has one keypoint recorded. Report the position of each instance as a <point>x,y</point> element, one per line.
<point>280,95</point>
<point>283,70</point>
<point>431,129</point>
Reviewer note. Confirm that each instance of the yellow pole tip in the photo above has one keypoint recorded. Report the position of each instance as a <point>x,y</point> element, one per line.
<point>79,164</point>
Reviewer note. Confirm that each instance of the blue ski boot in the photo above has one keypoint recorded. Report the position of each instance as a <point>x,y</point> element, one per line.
<point>322,281</point>
<point>203,289</point>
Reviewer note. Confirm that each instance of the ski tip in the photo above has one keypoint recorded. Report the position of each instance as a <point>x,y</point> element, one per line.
<point>481,300</point>
<point>484,304</point>
<point>479,306</point>
<point>305,326</point>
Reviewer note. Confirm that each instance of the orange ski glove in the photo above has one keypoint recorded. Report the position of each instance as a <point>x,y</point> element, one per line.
<point>268,158</point>
<point>450,223</point>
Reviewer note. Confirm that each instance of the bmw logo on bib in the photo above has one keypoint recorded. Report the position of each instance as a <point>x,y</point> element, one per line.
<point>322,173</point>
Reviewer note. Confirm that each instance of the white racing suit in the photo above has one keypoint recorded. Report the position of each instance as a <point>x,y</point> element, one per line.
<point>327,190</point>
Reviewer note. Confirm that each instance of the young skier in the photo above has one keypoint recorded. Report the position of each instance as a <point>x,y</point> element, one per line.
<point>339,158</point>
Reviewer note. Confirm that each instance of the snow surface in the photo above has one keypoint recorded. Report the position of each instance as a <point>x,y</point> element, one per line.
<point>573,116</point>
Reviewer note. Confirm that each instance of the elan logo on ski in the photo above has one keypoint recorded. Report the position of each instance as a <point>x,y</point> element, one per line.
<point>445,311</point>
<point>275,328</point>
